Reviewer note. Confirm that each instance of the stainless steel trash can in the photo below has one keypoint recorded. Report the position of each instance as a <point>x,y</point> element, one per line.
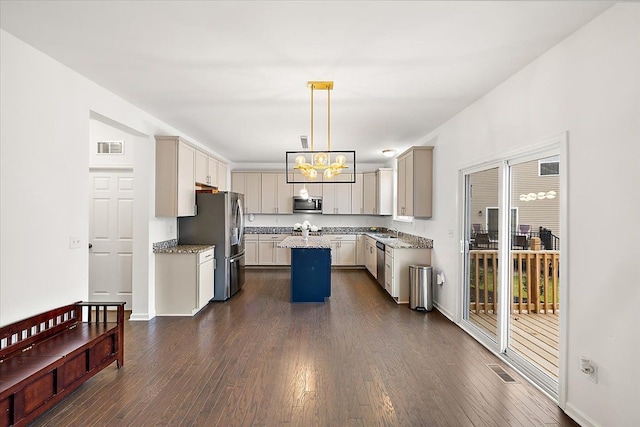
<point>420,293</point>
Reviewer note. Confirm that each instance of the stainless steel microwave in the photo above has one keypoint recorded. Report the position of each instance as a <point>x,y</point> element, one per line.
<point>309,205</point>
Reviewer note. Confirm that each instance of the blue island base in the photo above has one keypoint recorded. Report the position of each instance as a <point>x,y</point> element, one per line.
<point>310,274</point>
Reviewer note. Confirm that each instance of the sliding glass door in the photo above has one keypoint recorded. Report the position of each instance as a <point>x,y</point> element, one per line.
<point>481,291</point>
<point>511,259</point>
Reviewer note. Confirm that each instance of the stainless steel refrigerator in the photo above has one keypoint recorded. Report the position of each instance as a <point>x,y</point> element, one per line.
<point>220,222</point>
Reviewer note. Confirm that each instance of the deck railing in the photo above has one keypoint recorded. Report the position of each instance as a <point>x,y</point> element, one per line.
<point>535,281</point>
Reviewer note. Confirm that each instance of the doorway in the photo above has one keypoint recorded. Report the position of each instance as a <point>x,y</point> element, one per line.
<point>513,307</point>
<point>111,236</point>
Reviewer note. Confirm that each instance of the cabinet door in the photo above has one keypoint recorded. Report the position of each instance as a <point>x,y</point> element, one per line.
<point>343,199</point>
<point>205,282</point>
<point>269,189</point>
<point>334,252</point>
<point>283,256</point>
<point>402,186</point>
<point>409,185</point>
<point>239,183</point>
<point>251,252</point>
<point>222,176</point>
<point>369,189</point>
<point>347,251</point>
<point>356,196</point>
<point>212,171</point>
<point>284,201</point>
<point>328,199</point>
<point>385,192</point>
<point>252,194</point>
<point>266,253</point>
<point>360,250</point>
<point>186,180</point>
<point>202,176</point>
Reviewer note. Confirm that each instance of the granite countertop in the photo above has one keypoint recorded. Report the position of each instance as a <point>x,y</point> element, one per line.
<point>181,249</point>
<point>313,242</point>
<point>404,240</point>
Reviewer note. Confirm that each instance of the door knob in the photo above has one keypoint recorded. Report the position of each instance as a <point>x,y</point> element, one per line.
<point>90,245</point>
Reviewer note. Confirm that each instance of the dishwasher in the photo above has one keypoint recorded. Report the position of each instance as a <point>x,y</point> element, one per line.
<point>380,262</point>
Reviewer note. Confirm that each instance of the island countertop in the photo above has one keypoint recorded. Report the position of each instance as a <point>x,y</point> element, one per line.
<point>298,242</point>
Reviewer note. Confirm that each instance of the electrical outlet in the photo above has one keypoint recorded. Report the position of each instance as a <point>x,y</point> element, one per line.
<point>589,368</point>
<point>74,242</point>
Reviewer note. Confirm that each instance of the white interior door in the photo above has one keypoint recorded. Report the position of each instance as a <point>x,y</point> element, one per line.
<point>111,236</point>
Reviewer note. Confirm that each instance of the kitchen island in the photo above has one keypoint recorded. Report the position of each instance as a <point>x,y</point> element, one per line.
<point>310,268</point>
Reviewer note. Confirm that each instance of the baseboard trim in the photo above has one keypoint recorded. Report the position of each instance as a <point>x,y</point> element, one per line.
<point>140,317</point>
<point>579,416</point>
<point>446,313</point>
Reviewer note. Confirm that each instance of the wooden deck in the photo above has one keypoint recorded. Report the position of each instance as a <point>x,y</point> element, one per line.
<point>534,336</point>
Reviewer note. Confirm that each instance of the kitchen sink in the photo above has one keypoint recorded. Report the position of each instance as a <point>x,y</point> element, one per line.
<point>386,236</point>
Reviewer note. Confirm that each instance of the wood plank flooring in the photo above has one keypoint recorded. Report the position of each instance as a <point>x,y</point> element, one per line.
<point>257,360</point>
<point>534,336</point>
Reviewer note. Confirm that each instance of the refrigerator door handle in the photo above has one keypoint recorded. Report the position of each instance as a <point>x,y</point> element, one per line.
<point>236,257</point>
<point>241,215</point>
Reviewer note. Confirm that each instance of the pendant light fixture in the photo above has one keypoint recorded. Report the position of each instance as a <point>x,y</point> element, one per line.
<point>320,166</point>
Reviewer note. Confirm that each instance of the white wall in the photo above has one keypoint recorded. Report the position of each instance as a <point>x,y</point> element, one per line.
<point>588,85</point>
<point>45,111</point>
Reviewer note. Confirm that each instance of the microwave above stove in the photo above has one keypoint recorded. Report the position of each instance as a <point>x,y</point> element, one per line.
<point>309,205</point>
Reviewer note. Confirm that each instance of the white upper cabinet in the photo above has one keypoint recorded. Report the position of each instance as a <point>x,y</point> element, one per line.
<point>378,192</point>
<point>202,168</point>
<point>249,184</point>
<point>276,194</point>
<point>175,177</point>
<point>336,198</point>
<point>357,200</point>
<point>222,176</point>
<point>415,182</point>
<point>212,168</point>
<point>206,169</point>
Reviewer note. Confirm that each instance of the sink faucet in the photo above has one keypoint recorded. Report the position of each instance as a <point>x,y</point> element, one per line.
<point>396,230</point>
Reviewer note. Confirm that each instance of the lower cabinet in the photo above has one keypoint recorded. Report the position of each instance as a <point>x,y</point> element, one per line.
<point>370,256</point>
<point>268,251</point>
<point>396,271</point>
<point>250,249</point>
<point>360,249</point>
<point>343,249</point>
<point>184,282</point>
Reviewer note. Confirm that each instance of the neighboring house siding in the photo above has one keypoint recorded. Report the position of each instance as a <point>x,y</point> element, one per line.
<point>484,193</point>
<point>537,213</point>
<point>525,179</point>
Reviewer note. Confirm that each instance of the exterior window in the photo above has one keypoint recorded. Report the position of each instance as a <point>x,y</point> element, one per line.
<point>549,166</point>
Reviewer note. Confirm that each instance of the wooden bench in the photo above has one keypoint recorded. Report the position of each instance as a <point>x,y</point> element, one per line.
<point>47,356</point>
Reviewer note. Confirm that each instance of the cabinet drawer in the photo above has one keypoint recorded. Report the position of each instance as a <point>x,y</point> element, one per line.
<point>272,237</point>
<point>251,238</point>
<point>205,256</point>
<point>343,237</point>
<point>389,251</point>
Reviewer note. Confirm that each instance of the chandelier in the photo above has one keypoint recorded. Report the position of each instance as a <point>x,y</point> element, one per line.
<point>319,166</point>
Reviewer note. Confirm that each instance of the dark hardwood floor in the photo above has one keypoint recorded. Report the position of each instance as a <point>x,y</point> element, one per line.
<point>257,360</point>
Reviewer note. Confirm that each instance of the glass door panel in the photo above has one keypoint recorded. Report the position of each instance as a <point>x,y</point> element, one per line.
<point>481,258</point>
<point>535,265</point>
